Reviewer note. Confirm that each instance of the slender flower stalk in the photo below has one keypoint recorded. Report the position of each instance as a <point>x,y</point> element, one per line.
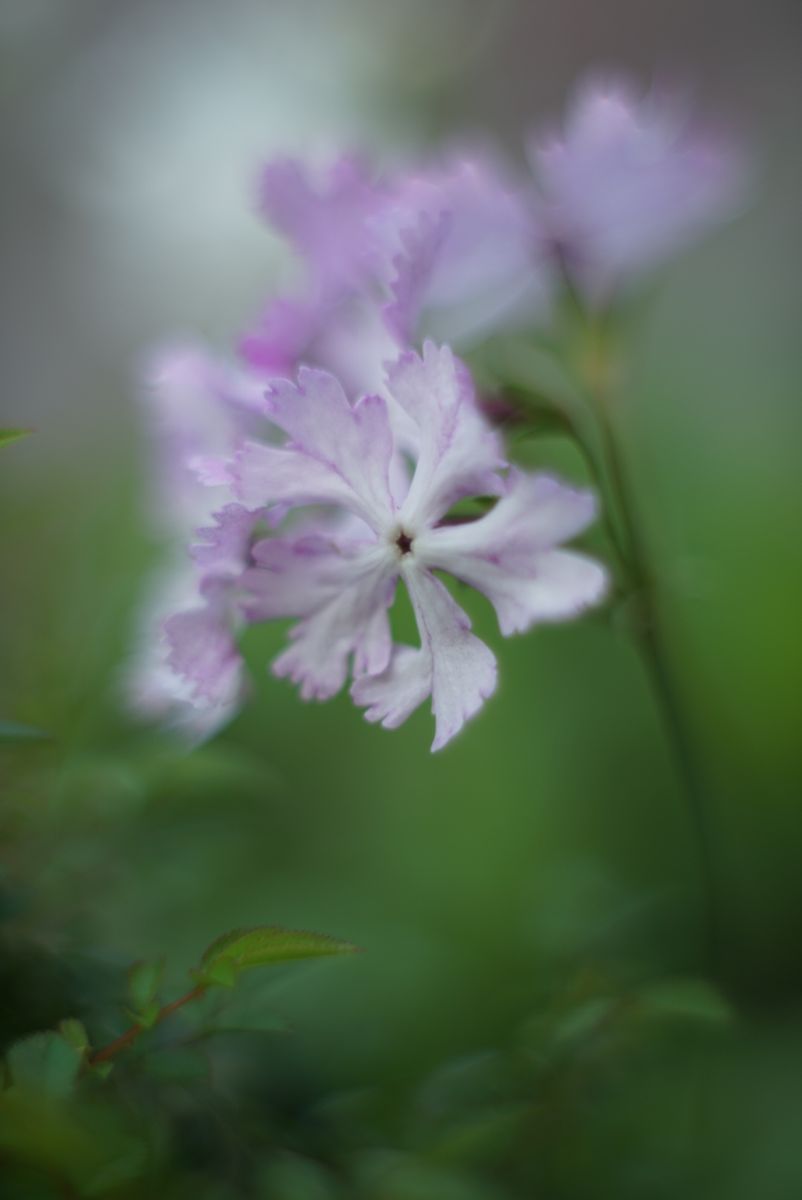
<point>634,561</point>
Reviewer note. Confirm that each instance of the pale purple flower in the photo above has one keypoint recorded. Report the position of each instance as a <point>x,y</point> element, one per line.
<point>447,249</point>
<point>338,574</point>
<point>201,640</point>
<point>468,261</point>
<point>328,217</point>
<point>627,182</point>
<point>332,219</point>
<point>197,406</point>
<point>152,688</point>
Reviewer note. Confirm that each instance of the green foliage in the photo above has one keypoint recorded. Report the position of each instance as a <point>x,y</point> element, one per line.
<point>12,435</point>
<point>74,1032</point>
<point>264,945</point>
<point>144,981</point>
<point>47,1062</point>
<point>695,1000</point>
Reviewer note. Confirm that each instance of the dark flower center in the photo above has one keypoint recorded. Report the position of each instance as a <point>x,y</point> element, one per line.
<point>404,542</point>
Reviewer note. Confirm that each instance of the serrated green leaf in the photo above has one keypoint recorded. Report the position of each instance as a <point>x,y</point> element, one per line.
<point>12,435</point>
<point>261,946</point>
<point>144,981</point>
<point>44,1062</point>
<point>13,731</point>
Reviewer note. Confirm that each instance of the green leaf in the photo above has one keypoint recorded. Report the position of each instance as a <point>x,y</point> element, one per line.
<point>144,981</point>
<point>223,972</point>
<point>13,731</point>
<point>12,435</point>
<point>685,999</point>
<point>45,1062</point>
<point>263,946</point>
<point>73,1031</point>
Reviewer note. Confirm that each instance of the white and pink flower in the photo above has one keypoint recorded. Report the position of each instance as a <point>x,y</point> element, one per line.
<point>382,522</point>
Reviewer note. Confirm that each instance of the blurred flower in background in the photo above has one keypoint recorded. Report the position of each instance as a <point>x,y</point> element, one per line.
<point>628,182</point>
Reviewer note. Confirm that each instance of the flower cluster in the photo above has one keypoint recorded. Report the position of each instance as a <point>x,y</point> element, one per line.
<point>326,468</point>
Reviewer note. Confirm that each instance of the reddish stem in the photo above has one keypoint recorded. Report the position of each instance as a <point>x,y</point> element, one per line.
<point>129,1037</point>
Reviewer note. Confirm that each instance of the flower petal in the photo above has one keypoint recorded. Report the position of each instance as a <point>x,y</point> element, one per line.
<point>453,665</point>
<point>152,688</point>
<point>351,619</point>
<point>628,182</point>
<point>458,454</point>
<point>392,696</point>
<point>326,215</point>
<point>338,453</point>
<point>203,649</point>
<point>283,335</point>
<point>224,546</point>
<point>509,554</point>
<point>467,262</point>
<point>296,576</point>
<point>413,268</point>
<point>198,406</point>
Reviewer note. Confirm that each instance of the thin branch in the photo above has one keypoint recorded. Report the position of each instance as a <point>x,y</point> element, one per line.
<point>106,1053</point>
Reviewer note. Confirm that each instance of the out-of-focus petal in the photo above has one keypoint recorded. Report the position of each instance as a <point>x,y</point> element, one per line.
<point>203,651</point>
<point>152,689</point>
<point>468,258</point>
<point>326,215</point>
<point>198,406</point>
<point>627,183</point>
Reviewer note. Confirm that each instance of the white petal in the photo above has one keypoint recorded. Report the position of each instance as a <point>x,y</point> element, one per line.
<point>458,452</point>
<point>354,621</point>
<point>392,696</point>
<point>294,577</point>
<point>463,669</point>
<point>509,556</point>
<point>354,443</point>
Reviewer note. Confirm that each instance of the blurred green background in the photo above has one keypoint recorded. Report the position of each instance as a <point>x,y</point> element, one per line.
<point>525,1021</point>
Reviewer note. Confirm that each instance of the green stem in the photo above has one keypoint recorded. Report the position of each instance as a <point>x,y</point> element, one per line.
<point>649,640</point>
